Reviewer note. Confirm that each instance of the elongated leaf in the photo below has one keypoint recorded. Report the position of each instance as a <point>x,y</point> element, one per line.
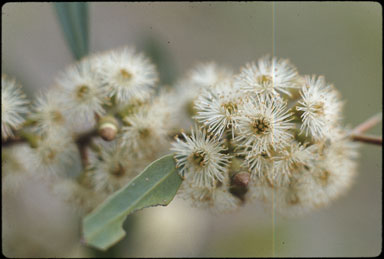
<point>156,185</point>
<point>73,18</point>
<point>159,54</point>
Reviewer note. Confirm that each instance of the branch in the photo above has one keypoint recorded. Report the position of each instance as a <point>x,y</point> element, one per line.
<point>368,124</point>
<point>356,133</point>
<point>368,139</point>
<point>82,142</point>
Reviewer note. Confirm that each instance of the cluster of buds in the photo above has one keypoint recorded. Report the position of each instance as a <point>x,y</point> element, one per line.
<point>265,133</point>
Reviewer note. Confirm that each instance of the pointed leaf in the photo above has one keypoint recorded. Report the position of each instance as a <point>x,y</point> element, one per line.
<point>73,18</point>
<point>156,185</point>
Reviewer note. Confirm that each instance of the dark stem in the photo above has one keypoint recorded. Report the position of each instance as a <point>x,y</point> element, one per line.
<point>368,139</point>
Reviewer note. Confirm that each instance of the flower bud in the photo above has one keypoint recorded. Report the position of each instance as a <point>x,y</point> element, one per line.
<point>108,128</point>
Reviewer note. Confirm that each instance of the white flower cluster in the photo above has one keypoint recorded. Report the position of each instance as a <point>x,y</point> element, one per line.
<point>265,133</point>
<point>103,111</point>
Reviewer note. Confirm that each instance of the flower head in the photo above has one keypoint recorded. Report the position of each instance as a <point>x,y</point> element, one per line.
<point>218,199</point>
<point>111,168</point>
<point>268,77</point>
<point>82,93</point>
<point>320,107</point>
<point>126,74</point>
<point>145,131</point>
<point>13,106</point>
<point>49,113</point>
<point>292,160</point>
<point>263,124</point>
<point>217,107</point>
<point>206,75</point>
<point>200,158</point>
<point>54,153</point>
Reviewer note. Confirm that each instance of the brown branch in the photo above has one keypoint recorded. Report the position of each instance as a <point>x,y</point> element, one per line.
<point>82,142</point>
<point>368,124</point>
<point>12,141</point>
<point>368,139</point>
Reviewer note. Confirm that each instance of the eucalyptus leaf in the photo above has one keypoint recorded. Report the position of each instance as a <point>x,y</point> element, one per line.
<point>156,185</point>
<point>73,17</point>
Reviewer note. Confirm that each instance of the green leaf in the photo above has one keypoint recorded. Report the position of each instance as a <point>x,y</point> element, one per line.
<point>156,185</point>
<point>159,54</point>
<point>73,18</point>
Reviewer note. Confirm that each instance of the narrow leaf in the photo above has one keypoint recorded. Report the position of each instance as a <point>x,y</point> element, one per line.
<point>73,17</point>
<point>161,57</point>
<point>156,185</point>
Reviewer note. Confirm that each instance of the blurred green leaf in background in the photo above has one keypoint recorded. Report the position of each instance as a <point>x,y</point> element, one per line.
<point>73,17</point>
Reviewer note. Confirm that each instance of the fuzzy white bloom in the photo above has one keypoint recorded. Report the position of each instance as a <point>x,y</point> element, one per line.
<point>292,159</point>
<point>53,154</point>
<point>217,107</point>
<point>259,163</point>
<point>80,198</point>
<point>332,176</point>
<point>268,77</point>
<point>263,123</point>
<point>13,106</point>
<point>320,107</point>
<point>49,113</point>
<point>146,131</point>
<point>126,74</point>
<point>188,89</point>
<point>110,169</point>
<point>218,199</point>
<point>82,93</point>
<point>206,75</point>
<point>200,158</point>
<point>15,166</point>
<point>260,188</point>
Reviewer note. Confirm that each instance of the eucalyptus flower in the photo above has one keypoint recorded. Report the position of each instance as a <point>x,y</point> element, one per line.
<point>13,106</point>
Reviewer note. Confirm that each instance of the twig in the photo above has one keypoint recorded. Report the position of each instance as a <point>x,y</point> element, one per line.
<point>12,141</point>
<point>368,124</point>
<point>368,139</point>
<point>82,143</point>
<point>357,133</point>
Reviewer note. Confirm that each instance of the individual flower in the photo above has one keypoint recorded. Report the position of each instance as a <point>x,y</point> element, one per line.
<point>292,159</point>
<point>78,197</point>
<point>332,176</point>
<point>263,124</point>
<point>14,166</point>
<point>217,108</point>
<point>13,106</point>
<point>260,188</point>
<point>188,89</point>
<point>268,77</point>
<point>146,131</point>
<point>206,75</point>
<point>110,168</point>
<point>218,199</point>
<point>320,107</point>
<point>82,93</point>
<point>258,163</point>
<point>49,114</point>
<point>53,154</point>
<point>126,74</point>
<point>200,158</point>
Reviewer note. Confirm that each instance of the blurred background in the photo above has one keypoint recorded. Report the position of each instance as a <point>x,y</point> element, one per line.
<point>340,40</point>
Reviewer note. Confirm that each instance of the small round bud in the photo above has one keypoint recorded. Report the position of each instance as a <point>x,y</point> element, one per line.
<point>108,128</point>
<point>241,179</point>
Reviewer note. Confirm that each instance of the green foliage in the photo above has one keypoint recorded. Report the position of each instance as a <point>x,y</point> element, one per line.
<point>73,17</point>
<point>161,57</point>
<point>156,185</point>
